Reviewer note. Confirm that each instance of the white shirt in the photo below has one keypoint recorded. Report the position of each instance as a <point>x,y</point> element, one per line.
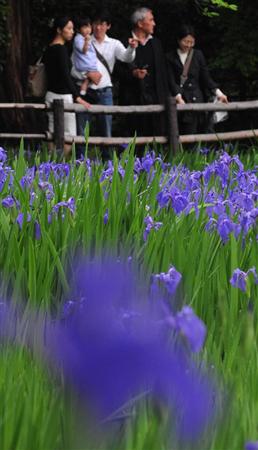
<point>182,56</point>
<point>145,40</point>
<point>111,49</point>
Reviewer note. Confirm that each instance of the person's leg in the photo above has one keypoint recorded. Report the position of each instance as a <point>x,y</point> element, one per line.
<point>81,120</point>
<point>84,86</point>
<point>104,121</point>
<point>188,124</point>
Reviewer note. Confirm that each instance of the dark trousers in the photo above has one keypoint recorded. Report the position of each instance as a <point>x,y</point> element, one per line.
<point>103,121</point>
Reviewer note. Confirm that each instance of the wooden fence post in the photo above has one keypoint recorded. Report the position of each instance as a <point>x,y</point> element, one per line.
<point>58,111</point>
<point>172,123</point>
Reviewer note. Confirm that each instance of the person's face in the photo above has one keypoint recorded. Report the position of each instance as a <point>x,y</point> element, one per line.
<point>67,32</point>
<point>85,30</point>
<point>186,43</point>
<point>100,29</point>
<point>147,24</point>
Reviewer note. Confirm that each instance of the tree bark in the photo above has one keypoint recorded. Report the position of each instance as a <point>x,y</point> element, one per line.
<point>17,58</point>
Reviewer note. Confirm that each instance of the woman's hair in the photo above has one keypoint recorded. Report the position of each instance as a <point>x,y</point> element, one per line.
<point>82,22</point>
<point>59,22</point>
<point>138,15</point>
<point>184,31</point>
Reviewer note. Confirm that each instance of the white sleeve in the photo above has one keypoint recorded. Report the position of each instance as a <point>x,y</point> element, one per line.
<point>219,93</point>
<point>124,54</point>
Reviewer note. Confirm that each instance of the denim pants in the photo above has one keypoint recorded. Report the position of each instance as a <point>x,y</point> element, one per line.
<point>104,121</point>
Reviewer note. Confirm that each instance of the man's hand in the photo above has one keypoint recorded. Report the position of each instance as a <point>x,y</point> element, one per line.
<point>140,73</point>
<point>133,42</point>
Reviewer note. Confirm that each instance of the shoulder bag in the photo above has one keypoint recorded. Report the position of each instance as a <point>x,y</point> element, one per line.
<point>187,64</point>
<point>37,80</point>
<point>103,60</point>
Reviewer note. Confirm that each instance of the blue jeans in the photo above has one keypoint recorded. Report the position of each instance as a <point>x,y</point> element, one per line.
<point>104,121</point>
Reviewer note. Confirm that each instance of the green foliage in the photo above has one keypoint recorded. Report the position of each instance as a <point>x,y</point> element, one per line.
<point>208,10</point>
<point>35,405</point>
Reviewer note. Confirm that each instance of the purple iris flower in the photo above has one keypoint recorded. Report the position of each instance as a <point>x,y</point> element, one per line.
<point>239,278</point>
<point>204,150</point>
<point>88,166</point>
<point>251,445</point>
<point>61,170</point>
<point>45,170</point>
<point>27,180</point>
<point>191,327</point>
<point>107,173</point>
<point>171,279</point>
<point>121,171</point>
<point>70,205</point>
<point>3,155</point>
<point>47,188</point>
<point>148,162</point>
<point>8,202</point>
<point>137,166</point>
<point>37,231</point>
<point>150,225</point>
<point>163,198</point>
<point>248,219</point>
<point>179,202</point>
<point>20,219</point>
<point>225,227</point>
<point>106,217</point>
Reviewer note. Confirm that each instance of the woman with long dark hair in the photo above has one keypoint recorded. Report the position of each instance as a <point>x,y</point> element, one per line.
<point>197,87</point>
<point>60,84</point>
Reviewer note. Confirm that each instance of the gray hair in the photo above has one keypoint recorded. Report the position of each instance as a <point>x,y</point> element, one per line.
<point>138,15</point>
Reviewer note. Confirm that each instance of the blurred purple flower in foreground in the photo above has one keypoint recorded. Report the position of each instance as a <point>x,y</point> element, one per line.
<point>239,278</point>
<point>111,350</point>
<point>251,445</point>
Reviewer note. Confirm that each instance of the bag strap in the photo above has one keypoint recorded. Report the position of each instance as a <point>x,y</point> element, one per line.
<point>103,60</point>
<point>187,65</point>
<point>39,60</point>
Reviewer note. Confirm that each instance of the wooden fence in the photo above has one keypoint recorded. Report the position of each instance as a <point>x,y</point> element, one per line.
<point>170,109</point>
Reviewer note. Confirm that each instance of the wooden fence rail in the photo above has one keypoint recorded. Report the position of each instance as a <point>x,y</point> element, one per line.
<point>170,109</point>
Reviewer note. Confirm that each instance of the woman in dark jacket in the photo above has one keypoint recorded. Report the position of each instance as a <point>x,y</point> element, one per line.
<point>198,84</point>
<point>60,84</point>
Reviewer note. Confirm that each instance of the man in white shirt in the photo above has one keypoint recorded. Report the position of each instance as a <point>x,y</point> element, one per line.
<point>108,50</point>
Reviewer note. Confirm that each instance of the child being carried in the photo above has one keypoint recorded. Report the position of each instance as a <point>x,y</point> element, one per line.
<point>84,57</point>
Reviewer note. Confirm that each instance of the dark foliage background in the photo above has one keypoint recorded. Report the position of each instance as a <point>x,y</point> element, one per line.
<point>229,42</point>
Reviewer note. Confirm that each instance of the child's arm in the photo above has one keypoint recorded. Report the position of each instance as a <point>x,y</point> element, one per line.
<point>81,44</point>
<point>86,44</point>
<point>94,76</point>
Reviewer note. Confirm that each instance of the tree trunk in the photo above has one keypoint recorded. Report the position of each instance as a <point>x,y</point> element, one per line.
<point>17,58</point>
